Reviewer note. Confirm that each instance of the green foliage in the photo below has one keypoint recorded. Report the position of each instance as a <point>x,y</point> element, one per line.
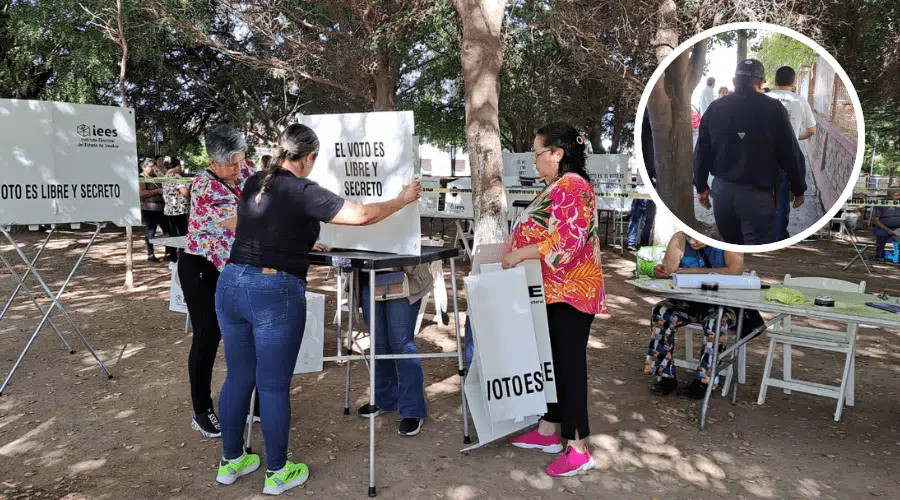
<point>777,50</point>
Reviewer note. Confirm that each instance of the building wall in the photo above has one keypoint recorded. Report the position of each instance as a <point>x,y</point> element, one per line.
<point>831,157</point>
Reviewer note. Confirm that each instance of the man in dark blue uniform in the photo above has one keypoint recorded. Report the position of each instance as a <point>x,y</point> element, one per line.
<point>745,139</point>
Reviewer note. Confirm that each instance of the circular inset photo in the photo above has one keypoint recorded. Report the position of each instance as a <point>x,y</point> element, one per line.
<point>751,136</point>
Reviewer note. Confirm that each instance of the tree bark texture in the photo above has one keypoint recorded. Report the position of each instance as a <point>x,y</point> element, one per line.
<point>741,46</point>
<point>670,121</point>
<point>481,56</point>
<point>129,233</point>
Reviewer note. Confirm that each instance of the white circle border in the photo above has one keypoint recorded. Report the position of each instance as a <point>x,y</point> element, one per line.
<point>860,142</point>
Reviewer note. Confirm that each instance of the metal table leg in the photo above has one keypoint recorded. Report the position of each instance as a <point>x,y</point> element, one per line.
<point>713,362</point>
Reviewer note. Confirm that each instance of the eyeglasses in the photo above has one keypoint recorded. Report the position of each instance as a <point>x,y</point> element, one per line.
<point>539,153</point>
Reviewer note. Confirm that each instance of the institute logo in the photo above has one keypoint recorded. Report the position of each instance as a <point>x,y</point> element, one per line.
<point>84,130</point>
<point>92,136</point>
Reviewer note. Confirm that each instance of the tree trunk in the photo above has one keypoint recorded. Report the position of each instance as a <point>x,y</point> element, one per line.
<point>621,118</point>
<point>597,139</point>
<point>481,57</point>
<point>742,45</point>
<point>670,122</point>
<point>129,234</point>
<point>385,82</point>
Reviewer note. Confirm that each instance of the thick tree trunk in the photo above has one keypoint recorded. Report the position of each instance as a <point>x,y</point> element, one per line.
<point>621,118</point>
<point>481,57</point>
<point>742,45</point>
<point>597,139</point>
<point>385,81</point>
<point>129,235</point>
<point>670,121</point>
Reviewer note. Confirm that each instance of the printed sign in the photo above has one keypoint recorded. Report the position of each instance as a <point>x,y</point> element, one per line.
<point>368,158</point>
<point>176,295</point>
<point>519,165</point>
<point>488,258</point>
<point>313,345</point>
<point>512,378</point>
<point>65,163</point>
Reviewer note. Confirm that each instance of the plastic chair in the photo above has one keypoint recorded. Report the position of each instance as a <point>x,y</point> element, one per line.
<point>790,336</point>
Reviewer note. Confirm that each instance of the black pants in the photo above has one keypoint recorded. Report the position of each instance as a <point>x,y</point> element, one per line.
<point>569,332</point>
<point>745,215</point>
<point>153,220</point>
<point>198,281</point>
<point>177,227</point>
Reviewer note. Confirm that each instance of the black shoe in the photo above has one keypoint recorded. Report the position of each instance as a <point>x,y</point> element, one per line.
<point>410,426</point>
<point>695,390</point>
<point>367,410</point>
<point>208,424</point>
<point>153,259</point>
<point>664,386</point>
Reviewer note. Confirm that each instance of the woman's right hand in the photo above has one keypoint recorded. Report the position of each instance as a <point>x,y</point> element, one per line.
<point>411,192</point>
<point>659,272</point>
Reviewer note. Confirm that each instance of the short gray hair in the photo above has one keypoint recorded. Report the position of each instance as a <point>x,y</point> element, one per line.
<point>223,142</point>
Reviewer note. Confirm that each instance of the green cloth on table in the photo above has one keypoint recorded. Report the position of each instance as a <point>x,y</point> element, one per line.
<point>787,296</point>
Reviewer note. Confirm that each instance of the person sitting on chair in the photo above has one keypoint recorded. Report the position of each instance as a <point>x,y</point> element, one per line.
<point>685,255</point>
<point>886,224</point>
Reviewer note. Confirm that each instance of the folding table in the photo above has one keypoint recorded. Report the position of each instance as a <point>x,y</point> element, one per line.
<point>850,308</point>
<point>31,266</point>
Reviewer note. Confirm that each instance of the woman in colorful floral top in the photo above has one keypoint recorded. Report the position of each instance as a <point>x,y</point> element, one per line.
<point>560,229</point>
<point>214,198</point>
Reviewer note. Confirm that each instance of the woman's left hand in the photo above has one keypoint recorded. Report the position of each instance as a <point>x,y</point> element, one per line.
<point>319,247</point>
<point>512,259</point>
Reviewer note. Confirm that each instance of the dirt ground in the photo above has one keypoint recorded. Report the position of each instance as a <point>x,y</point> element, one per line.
<point>68,432</point>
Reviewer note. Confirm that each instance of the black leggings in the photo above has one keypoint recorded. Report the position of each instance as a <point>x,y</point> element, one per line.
<point>198,281</point>
<point>178,225</point>
<point>569,332</point>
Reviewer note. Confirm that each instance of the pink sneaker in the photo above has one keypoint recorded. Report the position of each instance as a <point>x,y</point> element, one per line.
<point>534,440</point>
<point>570,463</point>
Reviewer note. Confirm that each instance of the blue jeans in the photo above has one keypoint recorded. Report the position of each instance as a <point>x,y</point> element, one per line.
<point>262,318</point>
<point>783,207</point>
<point>881,239</point>
<point>470,344</point>
<point>398,382</point>
<point>642,211</point>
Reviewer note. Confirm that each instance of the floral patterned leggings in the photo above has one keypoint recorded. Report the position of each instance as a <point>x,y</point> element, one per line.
<point>670,315</point>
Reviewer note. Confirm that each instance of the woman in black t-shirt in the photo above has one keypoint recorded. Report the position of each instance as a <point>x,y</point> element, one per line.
<point>261,303</point>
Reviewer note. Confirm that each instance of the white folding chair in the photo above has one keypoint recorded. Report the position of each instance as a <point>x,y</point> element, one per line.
<point>790,336</point>
<point>860,248</point>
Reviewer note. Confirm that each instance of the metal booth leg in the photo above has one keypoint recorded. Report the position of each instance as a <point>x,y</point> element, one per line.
<point>372,360</point>
<point>351,306</point>
<point>461,355</point>
<point>20,284</point>
<point>55,298</point>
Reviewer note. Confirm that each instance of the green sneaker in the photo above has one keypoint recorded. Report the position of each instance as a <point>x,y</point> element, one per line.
<point>294,475</point>
<point>229,471</point>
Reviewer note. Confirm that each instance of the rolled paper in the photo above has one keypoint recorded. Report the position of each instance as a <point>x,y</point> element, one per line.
<point>724,281</point>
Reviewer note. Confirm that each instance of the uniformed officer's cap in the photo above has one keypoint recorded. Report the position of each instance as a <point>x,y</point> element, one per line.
<point>751,68</point>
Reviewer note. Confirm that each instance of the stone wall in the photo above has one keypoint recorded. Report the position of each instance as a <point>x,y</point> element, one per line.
<point>831,158</point>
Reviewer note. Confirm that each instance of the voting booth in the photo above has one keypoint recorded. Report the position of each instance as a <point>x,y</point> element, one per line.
<point>367,158</point>
<point>63,163</point>
<point>511,378</point>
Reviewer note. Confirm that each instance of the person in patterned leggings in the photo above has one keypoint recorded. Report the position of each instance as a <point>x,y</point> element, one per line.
<point>685,255</point>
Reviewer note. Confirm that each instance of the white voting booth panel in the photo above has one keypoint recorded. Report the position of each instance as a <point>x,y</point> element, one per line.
<point>313,346</point>
<point>67,163</point>
<point>513,356</point>
<point>610,174</point>
<point>519,165</point>
<point>366,158</point>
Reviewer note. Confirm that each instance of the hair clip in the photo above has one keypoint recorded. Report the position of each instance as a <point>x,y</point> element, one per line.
<point>580,140</point>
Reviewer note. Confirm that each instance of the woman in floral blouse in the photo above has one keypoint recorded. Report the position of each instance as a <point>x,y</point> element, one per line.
<point>214,198</point>
<point>560,229</point>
